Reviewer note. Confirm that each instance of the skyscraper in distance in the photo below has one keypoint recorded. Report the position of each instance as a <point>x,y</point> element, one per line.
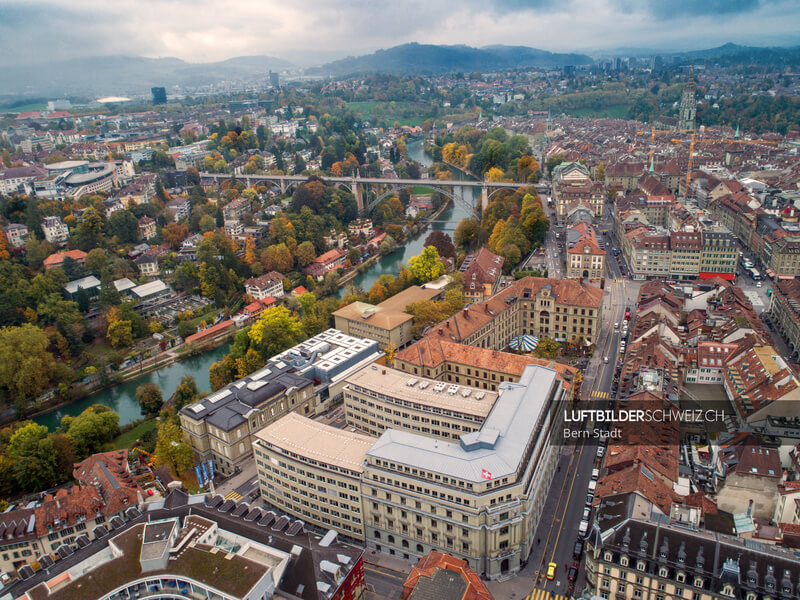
<point>159,95</point>
<point>274,80</point>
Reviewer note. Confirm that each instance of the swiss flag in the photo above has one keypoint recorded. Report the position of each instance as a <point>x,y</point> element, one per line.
<point>486,474</point>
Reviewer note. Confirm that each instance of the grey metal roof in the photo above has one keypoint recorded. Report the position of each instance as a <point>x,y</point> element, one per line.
<point>498,447</point>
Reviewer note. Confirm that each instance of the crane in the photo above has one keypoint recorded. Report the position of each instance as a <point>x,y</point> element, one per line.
<point>146,453</point>
<point>692,143</point>
<point>653,133</point>
<point>112,165</point>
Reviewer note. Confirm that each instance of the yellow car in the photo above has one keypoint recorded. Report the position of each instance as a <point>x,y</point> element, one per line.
<point>551,571</point>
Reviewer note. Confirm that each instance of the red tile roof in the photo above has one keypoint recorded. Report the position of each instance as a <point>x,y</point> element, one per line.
<point>108,474</point>
<point>424,571</point>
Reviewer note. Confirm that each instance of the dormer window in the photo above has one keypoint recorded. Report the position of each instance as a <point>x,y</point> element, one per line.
<point>607,556</point>
<point>623,561</point>
<point>698,582</point>
<point>640,565</point>
<point>727,590</point>
<point>663,572</point>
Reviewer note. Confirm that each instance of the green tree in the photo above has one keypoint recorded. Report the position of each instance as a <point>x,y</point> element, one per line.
<point>150,398</point>
<point>94,427</point>
<point>34,458</point>
<point>547,348</point>
<point>96,261</point>
<point>426,314</point>
<point>306,253</point>
<point>26,365</point>
<point>426,266</point>
<point>124,225</point>
<point>185,393</point>
<point>90,231</point>
<point>276,330</point>
<point>109,296</point>
<point>171,449</point>
<point>465,232</point>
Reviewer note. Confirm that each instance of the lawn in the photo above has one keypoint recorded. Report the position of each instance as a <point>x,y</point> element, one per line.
<point>127,439</point>
<point>405,113</point>
<point>25,108</point>
<point>612,111</point>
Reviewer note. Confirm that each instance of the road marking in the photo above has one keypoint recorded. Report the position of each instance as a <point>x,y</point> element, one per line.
<point>233,496</point>
<point>540,594</point>
<point>596,394</point>
<point>384,573</point>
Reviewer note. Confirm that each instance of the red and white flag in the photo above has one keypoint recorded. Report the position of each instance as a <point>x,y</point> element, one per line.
<point>486,474</point>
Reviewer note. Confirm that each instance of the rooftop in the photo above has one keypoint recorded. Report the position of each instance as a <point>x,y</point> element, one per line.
<point>498,448</point>
<point>316,440</point>
<point>400,385</point>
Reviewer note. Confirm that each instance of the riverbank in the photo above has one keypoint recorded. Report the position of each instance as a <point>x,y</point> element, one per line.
<point>118,391</point>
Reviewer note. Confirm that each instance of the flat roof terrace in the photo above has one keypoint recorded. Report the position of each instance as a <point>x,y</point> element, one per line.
<point>426,392</point>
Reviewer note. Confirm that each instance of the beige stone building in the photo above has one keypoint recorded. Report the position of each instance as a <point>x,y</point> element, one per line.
<point>380,398</point>
<point>386,322</point>
<point>384,325</point>
<point>313,471</point>
<point>630,557</point>
<point>479,499</point>
<point>562,309</point>
<point>221,425</point>
<point>585,259</point>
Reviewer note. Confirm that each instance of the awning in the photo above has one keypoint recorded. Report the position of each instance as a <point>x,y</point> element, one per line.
<point>526,343</point>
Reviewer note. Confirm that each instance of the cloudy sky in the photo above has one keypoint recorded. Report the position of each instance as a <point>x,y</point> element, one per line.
<point>309,30</point>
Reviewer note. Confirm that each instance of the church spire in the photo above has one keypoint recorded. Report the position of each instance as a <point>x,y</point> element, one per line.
<point>652,165</point>
<point>736,135</point>
<point>691,73</point>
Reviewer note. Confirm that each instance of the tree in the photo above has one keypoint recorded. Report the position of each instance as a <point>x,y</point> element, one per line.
<point>174,234</point>
<point>426,266</point>
<point>120,333</point>
<point>34,458</point>
<point>442,242</point>
<point>275,331</point>
<point>26,366</point>
<point>94,427</point>
<point>185,393</point>
<point>547,348</point>
<point>306,253</point>
<point>83,300</point>
<point>495,174</point>
<point>426,314</point>
<point>387,246</point>
<point>600,172</point>
<point>465,232</point>
<point>124,225</point>
<point>96,261</point>
<point>90,231</point>
<point>171,449</point>
<point>150,398</point>
<point>109,296</point>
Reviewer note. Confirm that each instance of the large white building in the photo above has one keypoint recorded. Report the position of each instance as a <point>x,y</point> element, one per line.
<point>55,231</point>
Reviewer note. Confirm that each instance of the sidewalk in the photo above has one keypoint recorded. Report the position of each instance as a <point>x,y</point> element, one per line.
<point>392,563</point>
<point>233,483</point>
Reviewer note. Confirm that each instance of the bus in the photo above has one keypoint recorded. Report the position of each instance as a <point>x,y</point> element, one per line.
<point>754,273</point>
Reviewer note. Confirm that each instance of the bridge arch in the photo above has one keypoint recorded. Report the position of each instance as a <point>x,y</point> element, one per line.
<point>446,191</point>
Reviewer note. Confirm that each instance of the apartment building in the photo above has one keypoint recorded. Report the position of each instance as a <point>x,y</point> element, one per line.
<point>221,425</point>
<point>482,272</point>
<point>572,185</point>
<point>384,325</point>
<point>16,234</point>
<point>381,398</point>
<point>481,368</point>
<point>584,258</point>
<point>304,379</point>
<point>633,556</point>
<point>268,285</point>
<point>55,231</point>
<point>313,471</point>
<point>562,309</point>
<point>480,499</point>
<point>784,308</point>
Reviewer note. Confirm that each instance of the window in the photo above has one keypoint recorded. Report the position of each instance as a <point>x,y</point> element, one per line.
<point>623,560</point>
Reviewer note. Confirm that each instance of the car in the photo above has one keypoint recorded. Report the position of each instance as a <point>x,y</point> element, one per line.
<point>605,359</point>
<point>573,572</point>
<point>592,485</point>
<point>595,473</point>
<point>616,326</point>
<point>589,499</point>
<point>600,451</point>
<point>551,571</point>
<point>583,528</point>
<point>587,512</point>
<point>577,550</point>
<point>758,285</point>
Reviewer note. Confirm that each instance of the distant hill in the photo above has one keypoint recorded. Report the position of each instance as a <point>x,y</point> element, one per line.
<point>428,58</point>
<point>732,54</point>
<point>128,75</point>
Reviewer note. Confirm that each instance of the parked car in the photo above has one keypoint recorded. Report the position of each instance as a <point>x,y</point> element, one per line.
<point>583,528</point>
<point>577,550</point>
<point>573,572</point>
<point>551,571</point>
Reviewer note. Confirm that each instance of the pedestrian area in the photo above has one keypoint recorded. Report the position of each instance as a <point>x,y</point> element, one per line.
<point>598,394</point>
<point>545,595</point>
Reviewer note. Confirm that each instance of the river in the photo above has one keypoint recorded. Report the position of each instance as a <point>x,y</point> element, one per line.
<point>447,222</point>
<point>121,397</point>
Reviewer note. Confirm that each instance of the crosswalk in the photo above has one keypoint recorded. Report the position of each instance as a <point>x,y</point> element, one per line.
<point>538,594</point>
<point>233,496</point>
<point>599,394</point>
